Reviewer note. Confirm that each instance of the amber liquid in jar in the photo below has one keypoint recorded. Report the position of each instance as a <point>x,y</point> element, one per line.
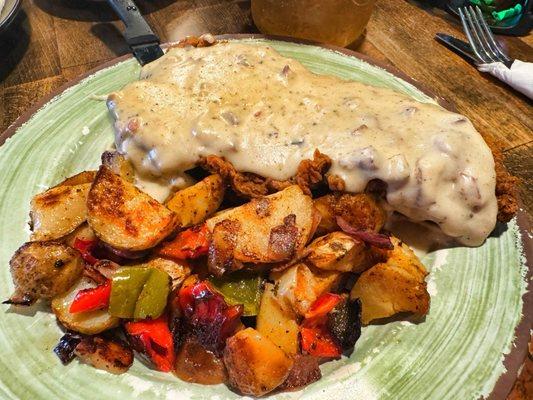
<point>338,22</point>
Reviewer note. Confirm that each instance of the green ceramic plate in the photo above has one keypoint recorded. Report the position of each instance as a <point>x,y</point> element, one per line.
<point>457,353</point>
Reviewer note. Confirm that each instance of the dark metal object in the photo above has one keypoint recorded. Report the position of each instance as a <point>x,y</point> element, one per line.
<point>143,42</point>
<point>458,46</point>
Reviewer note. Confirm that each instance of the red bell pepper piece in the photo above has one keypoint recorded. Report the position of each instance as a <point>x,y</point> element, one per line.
<point>191,243</point>
<point>323,305</point>
<point>91,299</point>
<point>85,247</point>
<point>156,339</point>
<point>316,339</point>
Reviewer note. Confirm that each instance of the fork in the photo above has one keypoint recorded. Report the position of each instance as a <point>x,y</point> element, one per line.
<point>485,47</point>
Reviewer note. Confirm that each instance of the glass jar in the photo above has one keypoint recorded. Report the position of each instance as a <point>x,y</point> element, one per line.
<point>338,22</point>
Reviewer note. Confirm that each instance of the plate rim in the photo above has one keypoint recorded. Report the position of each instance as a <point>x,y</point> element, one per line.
<point>9,18</point>
<point>519,347</point>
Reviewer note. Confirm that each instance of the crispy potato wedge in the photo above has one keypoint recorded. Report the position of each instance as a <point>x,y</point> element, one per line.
<point>88,323</point>
<point>178,271</point>
<point>78,179</point>
<point>360,210</point>
<point>42,270</point>
<point>396,285</point>
<point>109,355</point>
<point>277,323</point>
<point>118,164</point>
<point>255,364</point>
<point>271,229</point>
<point>123,216</point>
<point>338,251</point>
<point>196,203</point>
<point>58,211</point>
<point>300,285</point>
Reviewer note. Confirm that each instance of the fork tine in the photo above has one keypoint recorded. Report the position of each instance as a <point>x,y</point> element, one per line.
<point>483,35</point>
<point>473,43</point>
<point>477,34</point>
<point>495,47</point>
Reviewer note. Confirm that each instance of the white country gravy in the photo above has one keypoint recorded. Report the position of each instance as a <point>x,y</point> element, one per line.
<point>265,113</point>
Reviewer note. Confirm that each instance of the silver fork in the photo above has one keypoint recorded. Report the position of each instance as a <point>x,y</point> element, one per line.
<point>485,47</point>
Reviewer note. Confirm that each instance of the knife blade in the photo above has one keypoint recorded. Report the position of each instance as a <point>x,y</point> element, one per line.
<point>143,42</point>
<point>458,46</point>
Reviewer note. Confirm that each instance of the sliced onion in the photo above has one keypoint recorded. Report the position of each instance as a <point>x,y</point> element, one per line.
<point>372,238</point>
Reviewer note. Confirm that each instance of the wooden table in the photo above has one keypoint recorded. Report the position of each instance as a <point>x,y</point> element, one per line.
<point>53,41</point>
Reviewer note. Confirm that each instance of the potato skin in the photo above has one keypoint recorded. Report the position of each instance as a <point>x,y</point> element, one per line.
<point>58,211</point>
<point>78,179</point>
<point>123,216</point>
<point>196,203</point>
<point>396,285</point>
<point>255,365</point>
<point>42,270</point>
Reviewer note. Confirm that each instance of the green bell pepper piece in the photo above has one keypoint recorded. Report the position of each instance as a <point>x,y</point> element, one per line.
<point>153,298</point>
<point>138,292</point>
<point>240,288</point>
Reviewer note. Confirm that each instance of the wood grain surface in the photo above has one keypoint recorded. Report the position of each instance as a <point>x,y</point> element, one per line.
<point>53,41</point>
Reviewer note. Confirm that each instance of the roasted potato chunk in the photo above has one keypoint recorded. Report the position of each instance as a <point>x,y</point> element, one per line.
<point>277,323</point>
<point>271,229</point>
<point>338,251</point>
<point>118,164</point>
<point>88,323</point>
<point>123,216</point>
<point>255,364</point>
<point>58,211</point>
<point>106,354</point>
<point>42,270</point>
<point>300,285</point>
<point>304,371</point>
<point>196,203</point>
<point>396,285</point>
<point>78,179</point>
<point>361,211</point>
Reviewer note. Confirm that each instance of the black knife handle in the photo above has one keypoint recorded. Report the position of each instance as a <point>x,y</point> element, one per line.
<point>137,29</point>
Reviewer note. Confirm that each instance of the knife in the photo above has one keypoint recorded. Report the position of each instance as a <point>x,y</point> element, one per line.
<point>143,42</point>
<point>458,46</point>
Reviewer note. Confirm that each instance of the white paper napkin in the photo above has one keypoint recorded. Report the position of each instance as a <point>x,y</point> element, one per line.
<point>519,76</point>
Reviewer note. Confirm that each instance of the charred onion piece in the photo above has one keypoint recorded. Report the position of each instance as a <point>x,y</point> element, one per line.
<point>66,346</point>
<point>375,239</point>
<point>207,316</point>
<point>344,322</point>
<point>196,364</point>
